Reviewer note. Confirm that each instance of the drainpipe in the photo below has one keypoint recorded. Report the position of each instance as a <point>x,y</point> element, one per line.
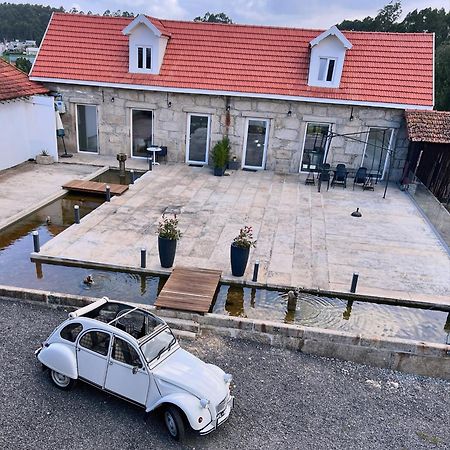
<point>227,116</point>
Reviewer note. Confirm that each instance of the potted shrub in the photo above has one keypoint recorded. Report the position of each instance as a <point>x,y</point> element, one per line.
<point>44,158</point>
<point>240,250</point>
<point>168,235</point>
<point>220,155</point>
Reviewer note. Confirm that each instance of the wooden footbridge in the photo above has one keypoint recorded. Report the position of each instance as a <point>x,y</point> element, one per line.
<point>189,289</point>
<point>95,187</point>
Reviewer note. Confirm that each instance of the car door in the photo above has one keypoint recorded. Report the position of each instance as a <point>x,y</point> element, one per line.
<point>92,356</point>
<point>127,375</point>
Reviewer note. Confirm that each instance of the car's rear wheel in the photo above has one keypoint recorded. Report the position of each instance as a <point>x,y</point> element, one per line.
<point>174,423</point>
<point>61,381</point>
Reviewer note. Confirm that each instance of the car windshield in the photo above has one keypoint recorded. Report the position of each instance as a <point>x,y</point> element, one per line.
<point>157,345</point>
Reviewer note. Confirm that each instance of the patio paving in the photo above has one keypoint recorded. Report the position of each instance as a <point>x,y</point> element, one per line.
<point>305,238</point>
<point>28,184</point>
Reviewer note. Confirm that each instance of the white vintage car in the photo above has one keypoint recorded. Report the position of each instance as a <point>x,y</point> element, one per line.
<point>132,353</point>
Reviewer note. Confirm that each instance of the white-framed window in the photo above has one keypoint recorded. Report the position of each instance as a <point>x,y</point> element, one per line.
<point>141,132</point>
<point>144,57</point>
<point>87,128</point>
<point>327,68</point>
<point>376,151</point>
<point>314,146</point>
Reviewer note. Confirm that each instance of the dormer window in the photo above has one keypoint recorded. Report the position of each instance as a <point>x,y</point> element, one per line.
<point>146,44</point>
<point>144,58</point>
<point>326,69</point>
<point>327,58</point>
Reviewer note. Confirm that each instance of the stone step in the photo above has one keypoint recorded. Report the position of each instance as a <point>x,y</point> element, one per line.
<point>184,335</point>
<point>182,324</point>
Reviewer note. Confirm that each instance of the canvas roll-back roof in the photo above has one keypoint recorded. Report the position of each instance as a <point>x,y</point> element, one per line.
<point>385,68</point>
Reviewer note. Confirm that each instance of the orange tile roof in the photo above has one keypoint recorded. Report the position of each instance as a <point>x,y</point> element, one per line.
<point>381,67</point>
<point>14,83</point>
<point>428,126</point>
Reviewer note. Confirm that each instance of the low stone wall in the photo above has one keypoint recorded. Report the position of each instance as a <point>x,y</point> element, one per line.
<point>421,358</point>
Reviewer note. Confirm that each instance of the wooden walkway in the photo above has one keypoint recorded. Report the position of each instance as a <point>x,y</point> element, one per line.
<point>95,187</point>
<point>189,289</point>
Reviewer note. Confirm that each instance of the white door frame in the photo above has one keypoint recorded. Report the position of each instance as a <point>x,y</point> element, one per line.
<point>387,157</point>
<point>325,153</point>
<point>76,127</point>
<point>188,138</point>
<point>266,139</point>
<point>131,130</point>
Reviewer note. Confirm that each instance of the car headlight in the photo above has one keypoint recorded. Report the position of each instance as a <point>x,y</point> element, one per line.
<point>204,403</point>
<point>227,378</point>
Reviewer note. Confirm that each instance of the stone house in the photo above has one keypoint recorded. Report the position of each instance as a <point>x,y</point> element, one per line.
<point>289,99</point>
<point>27,118</point>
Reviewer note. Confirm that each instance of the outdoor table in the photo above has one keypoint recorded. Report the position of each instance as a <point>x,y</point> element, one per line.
<point>154,150</point>
<point>371,179</point>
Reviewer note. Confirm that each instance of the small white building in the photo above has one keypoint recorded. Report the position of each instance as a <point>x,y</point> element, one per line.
<point>27,118</point>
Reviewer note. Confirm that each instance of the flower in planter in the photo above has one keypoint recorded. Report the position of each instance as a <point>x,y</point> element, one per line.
<point>245,238</point>
<point>168,228</point>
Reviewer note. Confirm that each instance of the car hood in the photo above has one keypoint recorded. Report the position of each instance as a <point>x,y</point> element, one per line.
<point>186,371</point>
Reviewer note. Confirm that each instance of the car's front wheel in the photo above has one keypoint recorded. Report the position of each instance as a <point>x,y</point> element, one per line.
<point>61,381</point>
<point>174,423</point>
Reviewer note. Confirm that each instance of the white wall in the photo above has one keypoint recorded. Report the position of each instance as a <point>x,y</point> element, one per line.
<point>26,128</point>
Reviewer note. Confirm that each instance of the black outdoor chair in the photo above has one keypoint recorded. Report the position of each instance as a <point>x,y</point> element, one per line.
<point>360,177</point>
<point>162,153</point>
<point>324,175</point>
<point>340,176</point>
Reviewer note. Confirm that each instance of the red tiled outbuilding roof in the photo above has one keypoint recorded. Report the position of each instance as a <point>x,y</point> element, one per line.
<point>15,84</point>
<point>388,68</point>
<point>428,126</point>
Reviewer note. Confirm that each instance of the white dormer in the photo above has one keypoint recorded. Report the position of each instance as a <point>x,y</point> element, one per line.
<point>327,58</point>
<point>146,46</point>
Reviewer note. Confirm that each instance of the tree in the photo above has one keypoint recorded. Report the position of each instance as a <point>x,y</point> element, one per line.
<point>214,17</point>
<point>23,64</point>
<point>385,20</point>
<point>442,71</point>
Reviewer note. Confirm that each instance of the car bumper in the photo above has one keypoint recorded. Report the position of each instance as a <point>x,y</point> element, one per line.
<point>221,418</point>
<point>37,351</point>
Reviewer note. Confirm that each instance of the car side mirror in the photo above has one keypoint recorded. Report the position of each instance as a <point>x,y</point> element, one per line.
<point>135,369</point>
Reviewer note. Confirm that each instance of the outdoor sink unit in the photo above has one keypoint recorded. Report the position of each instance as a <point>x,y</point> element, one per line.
<point>131,353</point>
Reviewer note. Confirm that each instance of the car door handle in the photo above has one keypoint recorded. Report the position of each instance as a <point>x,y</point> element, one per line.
<point>110,363</point>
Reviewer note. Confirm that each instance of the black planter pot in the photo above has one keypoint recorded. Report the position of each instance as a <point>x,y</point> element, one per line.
<point>167,249</point>
<point>219,171</point>
<point>239,259</point>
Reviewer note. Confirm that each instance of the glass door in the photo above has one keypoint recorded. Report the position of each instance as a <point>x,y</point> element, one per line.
<point>87,129</point>
<point>141,132</point>
<point>314,146</point>
<point>255,144</point>
<point>378,144</point>
<point>197,142</point>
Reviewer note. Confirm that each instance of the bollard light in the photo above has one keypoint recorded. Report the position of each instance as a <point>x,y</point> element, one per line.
<point>150,163</point>
<point>255,271</point>
<point>108,193</point>
<point>132,176</point>
<point>143,258</point>
<point>76,211</point>
<point>354,282</point>
<point>36,245</point>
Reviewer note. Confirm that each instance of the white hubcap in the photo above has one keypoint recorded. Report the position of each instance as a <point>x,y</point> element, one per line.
<point>60,379</point>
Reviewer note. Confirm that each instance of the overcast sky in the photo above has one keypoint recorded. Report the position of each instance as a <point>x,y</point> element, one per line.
<point>296,13</point>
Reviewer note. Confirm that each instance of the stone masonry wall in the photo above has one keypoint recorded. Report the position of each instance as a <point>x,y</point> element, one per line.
<point>286,132</point>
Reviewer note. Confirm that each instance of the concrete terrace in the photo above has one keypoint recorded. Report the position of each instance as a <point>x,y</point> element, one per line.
<point>26,185</point>
<point>305,238</point>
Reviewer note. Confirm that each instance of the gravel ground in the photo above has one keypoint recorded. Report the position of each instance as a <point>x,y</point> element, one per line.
<point>284,400</point>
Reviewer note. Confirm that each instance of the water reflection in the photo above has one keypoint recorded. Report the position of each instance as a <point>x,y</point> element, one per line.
<point>333,313</point>
<point>348,310</point>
